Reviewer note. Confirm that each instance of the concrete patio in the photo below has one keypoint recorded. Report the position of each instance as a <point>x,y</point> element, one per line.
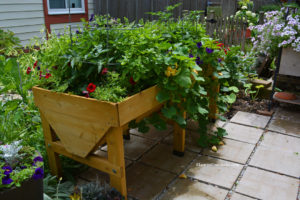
<point>260,160</point>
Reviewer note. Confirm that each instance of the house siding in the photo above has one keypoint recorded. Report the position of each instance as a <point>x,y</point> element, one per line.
<point>24,17</point>
<point>91,7</point>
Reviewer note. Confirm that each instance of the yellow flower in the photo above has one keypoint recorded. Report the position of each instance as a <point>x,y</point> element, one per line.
<point>220,73</point>
<point>168,73</point>
<point>75,197</point>
<point>173,72</point>
<point>195,71</point>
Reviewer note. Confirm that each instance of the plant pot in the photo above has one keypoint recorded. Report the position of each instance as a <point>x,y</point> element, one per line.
<point>30,189</point>
<point>289,64</point>
<point>76,126</point>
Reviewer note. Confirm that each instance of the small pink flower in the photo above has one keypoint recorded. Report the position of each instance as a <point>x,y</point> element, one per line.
<point>104,71</point>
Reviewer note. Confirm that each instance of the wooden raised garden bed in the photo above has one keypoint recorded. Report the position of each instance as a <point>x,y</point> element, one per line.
<point>76,126</point>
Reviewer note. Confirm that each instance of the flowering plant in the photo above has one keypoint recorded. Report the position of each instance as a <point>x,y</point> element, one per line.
<point>246,13</point>
<point>18,164</point>
<point>177,56</point>
<point>277,32</point>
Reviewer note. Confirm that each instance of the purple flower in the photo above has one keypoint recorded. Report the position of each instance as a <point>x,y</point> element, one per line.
<point>77,32</point>
<point>191,55</point>
<point>219,60</point>
<point>7,170</point>
<point>38,174</point>
<point>23,167</point>
<point>38,159</point>
<point>38,68</point>
<point>92,17</point>
<point>6,180</point>
<point>199,45</point>
<point>208,50</point>
<point>199,61</point>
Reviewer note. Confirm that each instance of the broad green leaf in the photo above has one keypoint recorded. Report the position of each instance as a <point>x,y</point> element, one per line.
<point>162,96</point>
<point>169,112</point>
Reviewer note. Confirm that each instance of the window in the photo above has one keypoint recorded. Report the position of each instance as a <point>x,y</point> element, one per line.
<point>62,6</point>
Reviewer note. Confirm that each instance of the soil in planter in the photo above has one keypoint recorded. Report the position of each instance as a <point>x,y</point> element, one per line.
<point>246,104</point>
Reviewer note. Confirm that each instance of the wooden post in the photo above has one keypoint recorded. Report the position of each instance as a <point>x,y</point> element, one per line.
<point>53,157</point>
<point>179,139</point>
<point>212,94</point>
<point>261,17</point>
<point>115,150</point>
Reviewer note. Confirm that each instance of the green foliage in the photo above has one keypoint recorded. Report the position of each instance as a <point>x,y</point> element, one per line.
<point>57,190</point>
<point>111,89</point>
<point>96,191</point>
<point>8,42</point>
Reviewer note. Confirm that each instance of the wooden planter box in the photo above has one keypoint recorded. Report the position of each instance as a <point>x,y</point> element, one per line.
<point>30,189</point>
<point>76,126</point>
<point>290,62</point>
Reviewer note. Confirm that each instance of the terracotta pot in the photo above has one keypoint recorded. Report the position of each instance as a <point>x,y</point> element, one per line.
<point>30,189</point>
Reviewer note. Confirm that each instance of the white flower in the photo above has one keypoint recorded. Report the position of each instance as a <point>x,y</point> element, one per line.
<point>248,13</point>
<point>244,7</point>
<point>253,15</point>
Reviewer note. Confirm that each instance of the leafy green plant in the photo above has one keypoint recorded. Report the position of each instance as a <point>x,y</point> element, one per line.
<point>57,190</point>
<point>8,42</point>
<point>96,191</point>
<point>175,55</point>
<point>19,163</point>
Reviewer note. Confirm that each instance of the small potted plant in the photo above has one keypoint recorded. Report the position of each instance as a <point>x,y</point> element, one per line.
<point>21,172</point>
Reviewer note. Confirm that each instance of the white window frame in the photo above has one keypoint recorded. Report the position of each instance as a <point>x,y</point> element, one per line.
<point>66,10</point>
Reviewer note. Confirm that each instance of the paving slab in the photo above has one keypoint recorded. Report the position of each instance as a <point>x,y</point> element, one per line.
<point>145,182</point>
<point>250,119</point>
<point>243,133</point>
<point>193,125</point>
<point>153,133</point>
<point>267,185</point>
<point>94,175</point>
<point>216,171</point>
<point>185,189</point>
<point>285,126</point>
<point>279,153</point>
<point>236,196</point>
<point>233,151</point>
<point>162,157</point>
<point>287,114</point>
<point>191,139</point>
<point>135,147</point>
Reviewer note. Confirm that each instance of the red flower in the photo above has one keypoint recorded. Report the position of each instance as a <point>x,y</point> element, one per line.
<point>221,45</point>
<point>28,70</point>
<point>35,64</point>
<point>225,51</point>
<point>104,71</point>
<point>48,75</point>
<point>91,88</point>
<point>131,81</point>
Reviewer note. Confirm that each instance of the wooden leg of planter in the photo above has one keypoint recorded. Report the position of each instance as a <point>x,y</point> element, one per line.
<point>179,140</point>
<point>115,150</point>
<point>213,101</point>
<point>53,157</point>
<point>126,134</point>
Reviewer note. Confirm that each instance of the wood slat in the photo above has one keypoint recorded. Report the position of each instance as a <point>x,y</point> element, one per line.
<point>94,161</point>
<point>79,123</point>
<point>138,104</point>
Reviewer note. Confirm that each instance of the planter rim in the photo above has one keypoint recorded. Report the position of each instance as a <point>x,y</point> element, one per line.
<point>92,99</point>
